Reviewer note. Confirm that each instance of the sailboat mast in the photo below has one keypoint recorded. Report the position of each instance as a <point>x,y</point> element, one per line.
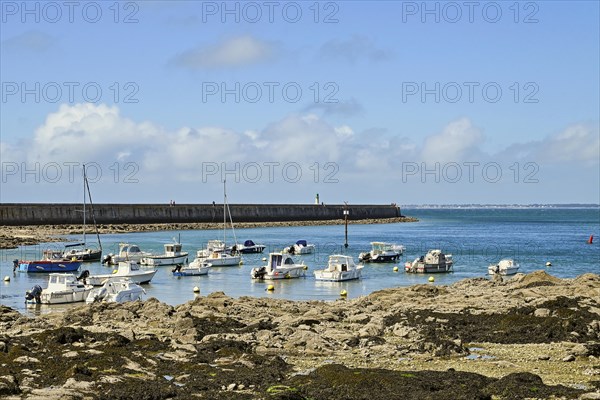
<point>84,177</point>
<point>224,212</point>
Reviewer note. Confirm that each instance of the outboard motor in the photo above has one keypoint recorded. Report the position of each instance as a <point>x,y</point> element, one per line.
<point>260,273</point>
<point>177,268</point>
<point>15,264</point>
<point>84,275</point>
<point>34,293</point>
<point>106,259</point>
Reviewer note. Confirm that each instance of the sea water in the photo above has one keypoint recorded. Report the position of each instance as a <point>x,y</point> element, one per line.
<point>476,237</point>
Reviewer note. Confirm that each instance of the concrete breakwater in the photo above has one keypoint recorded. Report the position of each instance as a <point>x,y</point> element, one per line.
<point>62,214</point>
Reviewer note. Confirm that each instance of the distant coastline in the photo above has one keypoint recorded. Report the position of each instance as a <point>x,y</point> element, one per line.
<point>502,206</point>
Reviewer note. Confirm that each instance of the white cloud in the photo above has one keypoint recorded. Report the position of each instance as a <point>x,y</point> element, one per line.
<point>230,52</point>
<point>352,50</point>
<point>456,141</point>
<point>369,159</point>
<point>31,41</point>
<point>579,143</point>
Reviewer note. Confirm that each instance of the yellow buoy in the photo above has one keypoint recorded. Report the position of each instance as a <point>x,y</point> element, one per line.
<point>395,269</point>
<point>548,264</point>
<point>264,258</point>
<point>7,278</point>
<point>270,288</point>
<point>343,293</point>
<point>196,289</point>
<point>305,267</point>
<point>431,279</point>
<point>241,262</point>
<point>115,271</point>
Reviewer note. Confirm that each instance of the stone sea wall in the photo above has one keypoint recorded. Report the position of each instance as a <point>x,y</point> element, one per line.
<point>61,214</point>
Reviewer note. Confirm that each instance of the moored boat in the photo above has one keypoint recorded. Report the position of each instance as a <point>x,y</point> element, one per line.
<point>382,252</point>
<point>279,266</point>
<point>339,268</point>
<point>195,268</point>
<point>300,247</point>
<point>127,252</point>
<point>126,269</point>
<point>116,290</point>
<point>52,261</point>
<point>172,256</point>
<point>504,267</point>
<point>433,262</point>
<point>62,288</point>
<point>250,247</point>
<point>81,251</point>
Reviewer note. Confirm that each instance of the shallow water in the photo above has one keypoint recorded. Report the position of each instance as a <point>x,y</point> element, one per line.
<point>475,237</point>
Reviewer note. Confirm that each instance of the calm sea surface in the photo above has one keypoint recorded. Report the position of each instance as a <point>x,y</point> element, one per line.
<point>475,237</point>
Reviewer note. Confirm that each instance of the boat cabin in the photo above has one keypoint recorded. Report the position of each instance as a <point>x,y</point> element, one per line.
<point>53,255</point>
<point>126,248</point>
<point>339,263</point>
<point>58,282</point>
<point>173,249</point>
<point>278,260</point>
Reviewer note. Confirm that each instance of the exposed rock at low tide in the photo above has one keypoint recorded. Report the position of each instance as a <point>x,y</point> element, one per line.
<point>475,339</point>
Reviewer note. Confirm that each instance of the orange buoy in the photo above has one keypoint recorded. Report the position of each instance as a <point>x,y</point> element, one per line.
<point>591,239</point>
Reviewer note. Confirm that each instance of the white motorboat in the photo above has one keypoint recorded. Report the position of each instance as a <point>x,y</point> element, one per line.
<point>279,266</point>
<point>172,256</point>
<point>222,259</point>
<point>433,262</point>
<point>250,247</point>
<point>126,269</point>
<point>382,252</point>
<point>127,252</point>
<point>116,290</point>
<point>195,268</point>
<point>504,267</point>
<point>62,288</point>
<point>339,268</point>
<point>300,247</point>
<point>211,247</point>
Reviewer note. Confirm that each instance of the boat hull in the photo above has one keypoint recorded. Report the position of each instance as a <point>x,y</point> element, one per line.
<point>253,249</point>
<point>381,258</point>
<point>422,268</point>
<point>64,297</point>
<point>49,266</point>
<point>280,273</point>
<point>225,261</point>
<point>86,255</point>
<point>337,276</point>
<point>139,278</point>
<point>191,272</point>
<point>157,261</point>
<point>502,271</point>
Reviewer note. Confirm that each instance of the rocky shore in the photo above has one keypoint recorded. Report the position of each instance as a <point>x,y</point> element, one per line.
<point>13,236</point>
<point>533,336</point>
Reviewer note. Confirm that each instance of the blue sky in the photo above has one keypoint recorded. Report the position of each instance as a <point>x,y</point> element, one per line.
<point>361,129</point>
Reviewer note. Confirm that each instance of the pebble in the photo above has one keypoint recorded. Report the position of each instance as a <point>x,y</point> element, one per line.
<point>544,357</point>
<point>231,387</point>
<point>569,358</point>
